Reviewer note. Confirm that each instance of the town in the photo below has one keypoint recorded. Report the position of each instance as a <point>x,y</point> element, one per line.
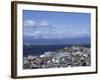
<point>73,56</point>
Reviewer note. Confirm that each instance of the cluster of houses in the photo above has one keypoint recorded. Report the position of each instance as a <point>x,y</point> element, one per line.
<point>67,57</point>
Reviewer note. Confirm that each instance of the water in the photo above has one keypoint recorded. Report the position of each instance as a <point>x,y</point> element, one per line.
<point>36,50</point>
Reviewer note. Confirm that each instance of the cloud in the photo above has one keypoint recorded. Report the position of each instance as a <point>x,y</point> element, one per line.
<point>57,34</point>
<point>80,34</point>
<point>29,23</point>
<point>44,29</point>
<point>36,24</point>
<point>44,23</point>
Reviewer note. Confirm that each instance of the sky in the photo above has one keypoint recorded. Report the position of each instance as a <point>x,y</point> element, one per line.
<point>55,25</point>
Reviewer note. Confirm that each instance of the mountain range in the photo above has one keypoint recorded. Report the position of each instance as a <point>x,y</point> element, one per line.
<point>43,41</point>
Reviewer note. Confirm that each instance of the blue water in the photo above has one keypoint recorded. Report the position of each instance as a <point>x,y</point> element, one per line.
<point>40,49</point>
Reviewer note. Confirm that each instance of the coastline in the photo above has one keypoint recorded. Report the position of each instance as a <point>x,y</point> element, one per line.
<point>67,56</point>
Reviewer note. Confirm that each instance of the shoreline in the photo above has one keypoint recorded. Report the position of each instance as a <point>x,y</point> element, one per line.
<point>67,56</point>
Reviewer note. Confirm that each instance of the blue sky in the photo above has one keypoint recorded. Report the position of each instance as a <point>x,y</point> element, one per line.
<point>55,25</point>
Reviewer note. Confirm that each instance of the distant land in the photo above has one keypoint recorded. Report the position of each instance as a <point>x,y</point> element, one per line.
<point>42,41</point>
